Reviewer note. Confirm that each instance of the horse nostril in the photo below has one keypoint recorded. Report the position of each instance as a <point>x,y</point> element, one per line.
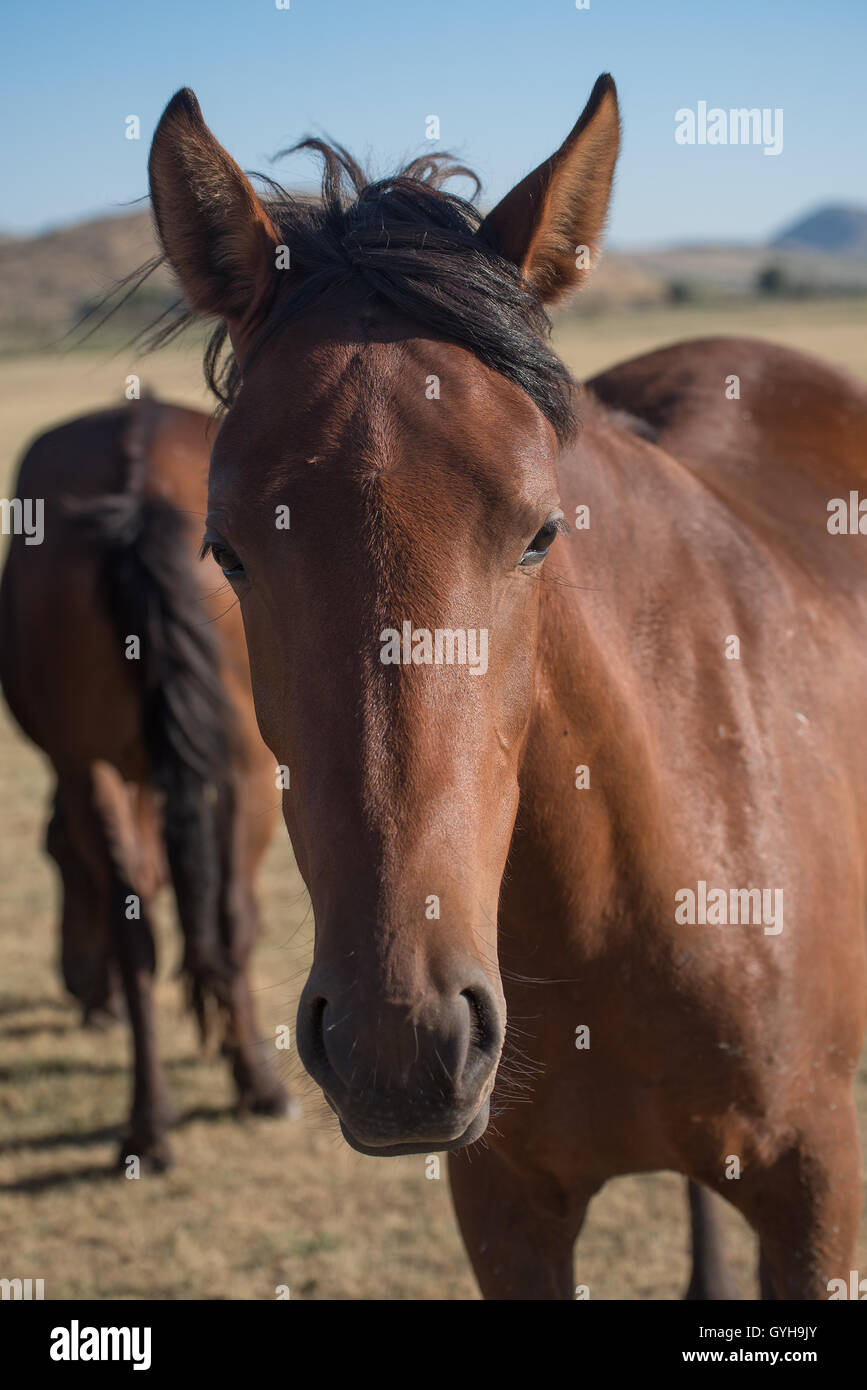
<point>311,1037</point>
<point>478,1028</point>
<point>485,1036</point>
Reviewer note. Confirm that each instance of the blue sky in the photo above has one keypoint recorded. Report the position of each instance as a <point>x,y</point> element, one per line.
<point>507,79</point>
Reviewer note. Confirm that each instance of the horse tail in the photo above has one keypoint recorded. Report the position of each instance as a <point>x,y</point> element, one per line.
<point>149,583</point>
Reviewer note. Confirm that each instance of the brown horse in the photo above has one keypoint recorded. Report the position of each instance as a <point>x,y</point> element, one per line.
<point>113,665</point>
<point>623,790</point>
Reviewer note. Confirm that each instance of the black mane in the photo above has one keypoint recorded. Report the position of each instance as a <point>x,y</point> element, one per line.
<point>419,249</point>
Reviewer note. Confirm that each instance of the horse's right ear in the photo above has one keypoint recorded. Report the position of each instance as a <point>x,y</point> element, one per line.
<point>215,232</point>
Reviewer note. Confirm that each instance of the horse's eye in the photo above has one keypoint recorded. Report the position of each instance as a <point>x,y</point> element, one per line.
<point>225,557</point>
<point>542,541</point>
<point>228,561</point>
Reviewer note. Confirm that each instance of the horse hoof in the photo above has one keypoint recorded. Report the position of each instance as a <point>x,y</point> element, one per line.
<point>151,1156</point>
<point>99,1020</point>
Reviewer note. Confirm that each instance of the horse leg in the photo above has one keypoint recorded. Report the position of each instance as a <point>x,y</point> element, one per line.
<point>247,832</point>
<point>805,1206</point>
<point>212,879</point>
<point>260,1092</point>
<point>87,964</point>
<point>98,805</point>
<point>711,1278</point>
<point>519,1229</point>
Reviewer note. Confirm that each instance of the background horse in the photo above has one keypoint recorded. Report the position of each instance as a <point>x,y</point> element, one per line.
<point>674,700</point>
<point>112,663</point>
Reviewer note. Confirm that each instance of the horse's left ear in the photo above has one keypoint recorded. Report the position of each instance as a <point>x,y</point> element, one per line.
<point>551,223</point>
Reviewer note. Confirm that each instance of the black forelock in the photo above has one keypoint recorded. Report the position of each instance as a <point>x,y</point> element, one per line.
<point>419,249</point>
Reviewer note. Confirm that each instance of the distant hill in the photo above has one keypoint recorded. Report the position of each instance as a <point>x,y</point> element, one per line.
<point>48,281</point>
<point>839,231</point>
<point>723,271</point>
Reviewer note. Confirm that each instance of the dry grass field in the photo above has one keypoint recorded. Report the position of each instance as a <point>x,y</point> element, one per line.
<point>254,1204</point>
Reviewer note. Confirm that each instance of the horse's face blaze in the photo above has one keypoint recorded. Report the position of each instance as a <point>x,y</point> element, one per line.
<point>409,513</point>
